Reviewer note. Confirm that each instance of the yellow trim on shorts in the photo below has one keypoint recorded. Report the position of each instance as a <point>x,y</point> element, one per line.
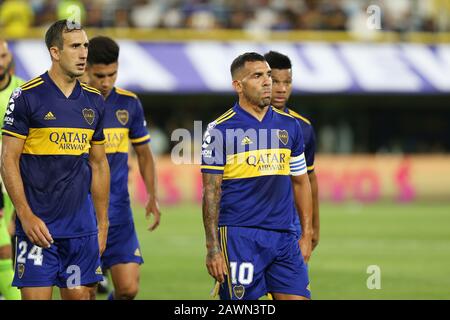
<point>224,241</point>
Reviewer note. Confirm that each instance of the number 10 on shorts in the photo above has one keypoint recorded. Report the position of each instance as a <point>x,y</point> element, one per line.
<point>244,273</point>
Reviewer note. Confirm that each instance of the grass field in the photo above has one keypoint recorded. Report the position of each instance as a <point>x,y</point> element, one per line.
<point>410,244</point>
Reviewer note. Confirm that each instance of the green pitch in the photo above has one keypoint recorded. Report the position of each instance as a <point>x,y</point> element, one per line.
<point>410,244</point>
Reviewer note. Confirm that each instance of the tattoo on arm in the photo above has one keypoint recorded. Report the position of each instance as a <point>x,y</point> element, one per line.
<point>211,201</point>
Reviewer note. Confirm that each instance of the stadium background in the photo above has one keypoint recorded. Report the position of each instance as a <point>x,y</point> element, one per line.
<point>379,101</point>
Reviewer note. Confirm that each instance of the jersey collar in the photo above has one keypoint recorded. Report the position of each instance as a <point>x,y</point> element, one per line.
<point>75,93</point>
<point>245,114</point>
<point>112,96</point>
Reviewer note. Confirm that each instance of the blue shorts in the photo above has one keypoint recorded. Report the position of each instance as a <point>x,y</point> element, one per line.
<point>260,262</point>
<point>122,246</point>
<point>67,263</point>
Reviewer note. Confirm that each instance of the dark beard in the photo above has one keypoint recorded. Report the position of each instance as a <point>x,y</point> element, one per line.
<point>263,104</point>
<point>5,72</point>
<point>260,103</point>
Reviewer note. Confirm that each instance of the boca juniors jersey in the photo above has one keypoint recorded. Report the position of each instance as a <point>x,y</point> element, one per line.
<point>58,132</point>
<point>310,151</point>
<point>124,123</point>
<point>256,159</point>
<point>308,136</point>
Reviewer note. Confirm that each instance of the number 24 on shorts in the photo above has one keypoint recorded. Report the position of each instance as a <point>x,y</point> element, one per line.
<point>35,254</point>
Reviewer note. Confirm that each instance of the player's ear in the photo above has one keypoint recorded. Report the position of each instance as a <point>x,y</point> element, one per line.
<point>54,53</point>
<point>237,85</point>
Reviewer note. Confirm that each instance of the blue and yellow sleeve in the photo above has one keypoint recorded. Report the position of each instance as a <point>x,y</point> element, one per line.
<point>16,120</point>
<point>213,152</point>
<point>298,144</point>
<point>99,136</point>
<point>138,130</point>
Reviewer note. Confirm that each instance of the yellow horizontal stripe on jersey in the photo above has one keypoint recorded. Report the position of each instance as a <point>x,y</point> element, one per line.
<point>137,140</point>
<point>14,134</point>
<point>212,168</point>
<point>58,141</point>
<point>32,86</point>
<point>98,142</point>
<point>310,168</point>
<point>257,163</point>
<point>116,140</point>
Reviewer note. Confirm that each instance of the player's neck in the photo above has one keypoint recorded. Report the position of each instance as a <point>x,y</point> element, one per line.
<point>253,109</point>
<point>5,82</point>
<point>105,96</point>
<point>63,81</point>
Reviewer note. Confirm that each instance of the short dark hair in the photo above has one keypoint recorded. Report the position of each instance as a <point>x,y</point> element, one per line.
<point>240,61</point>
<point>277,60</point>
<point>53,36</point>
<point>103,50</point>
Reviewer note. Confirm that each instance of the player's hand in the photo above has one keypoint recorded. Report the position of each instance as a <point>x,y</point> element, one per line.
<point>306,247</point>
<point>102,237</point>
<point>152,207</point>
<point>36,231</point>
<point>315,238</point>
<point>1,213</point>
<point>215,263</point>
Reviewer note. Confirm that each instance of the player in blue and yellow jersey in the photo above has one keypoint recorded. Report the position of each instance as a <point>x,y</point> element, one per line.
<point>254,171</point>
<point>56,172</point>
<point>124,123</point>
<point>8,82</point>
<point>281,91</point>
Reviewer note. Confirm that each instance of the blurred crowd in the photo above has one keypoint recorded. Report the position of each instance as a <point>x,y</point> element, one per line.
<point>396,15</point>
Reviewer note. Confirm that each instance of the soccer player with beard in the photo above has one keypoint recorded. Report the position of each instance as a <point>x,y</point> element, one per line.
<point>254,175</point>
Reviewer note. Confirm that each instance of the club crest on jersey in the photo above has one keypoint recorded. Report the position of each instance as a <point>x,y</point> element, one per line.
<point>283,135</point>
<point>122,116</point>
<point>89,116</point>
<point>20,270</point>
<point>239,291</point>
